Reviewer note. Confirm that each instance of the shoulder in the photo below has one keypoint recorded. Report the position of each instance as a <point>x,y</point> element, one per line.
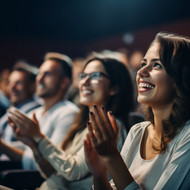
<point>63,108</point>
<point>139,128</point>
<point>70,105</point>
<point>134,137</point>
<point>184,134</point>
<point>136,132</point>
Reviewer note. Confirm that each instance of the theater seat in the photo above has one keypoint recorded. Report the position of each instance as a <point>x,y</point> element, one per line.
<point>135,117</point>
<point>21,179</point>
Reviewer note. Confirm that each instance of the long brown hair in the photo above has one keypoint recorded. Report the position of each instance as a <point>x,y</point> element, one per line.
<point>121,103</point>
<point>175,56</point>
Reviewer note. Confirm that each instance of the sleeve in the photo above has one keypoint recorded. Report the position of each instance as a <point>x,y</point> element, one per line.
<point>61,126</point>
<point>132,137</point>
<point>72,167</point>
<point>176,173</point>
<point>28,161</point>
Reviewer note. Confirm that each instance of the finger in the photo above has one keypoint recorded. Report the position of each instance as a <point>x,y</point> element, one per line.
<point>17,122</point>
<point>19,114</point>
<point>34,118</point>
<point>86,150</point>
<point>17,133</point>
<point>113,122</point>
<point>11,122</point>
<point>101,123</point>
<point>91,134</point>
<point>88,140</point>
<point>97,130</point>
<point>106,119</point>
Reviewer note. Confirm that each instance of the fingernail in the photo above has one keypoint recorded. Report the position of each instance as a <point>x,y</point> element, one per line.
<point>111,113</point>
<point>91,113</point>
<point>103,108</point>
<point>95,106</point>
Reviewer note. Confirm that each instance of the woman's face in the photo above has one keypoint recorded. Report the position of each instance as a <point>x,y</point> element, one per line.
<point>94,88</point>
<point>155,86</point>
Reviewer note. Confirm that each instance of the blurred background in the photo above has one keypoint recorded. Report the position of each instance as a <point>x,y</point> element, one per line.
<point>29,29</point>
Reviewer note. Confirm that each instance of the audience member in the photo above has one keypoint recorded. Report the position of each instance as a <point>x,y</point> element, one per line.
<point>156,152</point>
<point>20,89</point>
<point>56,115</point>
<point>104,82</point>
<point>4,99</point>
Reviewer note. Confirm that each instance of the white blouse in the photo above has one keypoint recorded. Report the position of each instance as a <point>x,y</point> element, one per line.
<point>170,170</point>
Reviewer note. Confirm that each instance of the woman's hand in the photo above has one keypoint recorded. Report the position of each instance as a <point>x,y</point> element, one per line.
<point>23,126</point>
<point>93,161</point>
<point>103,131</point>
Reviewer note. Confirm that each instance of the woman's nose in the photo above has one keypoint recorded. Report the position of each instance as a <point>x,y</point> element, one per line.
<point>86,80</point>
<point>143,72</point>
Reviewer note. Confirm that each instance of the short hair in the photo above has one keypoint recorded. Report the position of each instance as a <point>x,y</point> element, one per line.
<point>27,68</point>
<point>63,60</point>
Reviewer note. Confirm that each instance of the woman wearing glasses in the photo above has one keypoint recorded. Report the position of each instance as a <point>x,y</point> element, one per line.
<point>103,82</point>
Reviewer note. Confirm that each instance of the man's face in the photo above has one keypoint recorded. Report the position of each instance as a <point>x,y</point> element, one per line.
<point>48,81</point>
<point>19,87</point>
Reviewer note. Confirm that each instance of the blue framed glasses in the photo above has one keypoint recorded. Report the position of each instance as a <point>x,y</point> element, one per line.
<point>95,76</point>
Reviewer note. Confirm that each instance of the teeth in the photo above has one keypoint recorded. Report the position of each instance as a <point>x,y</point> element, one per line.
<point>146,85</point>
<point>86,91</point>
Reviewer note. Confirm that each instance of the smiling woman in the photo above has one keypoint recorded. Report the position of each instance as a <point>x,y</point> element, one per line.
<point>103,82</point>
<point>156,153</point>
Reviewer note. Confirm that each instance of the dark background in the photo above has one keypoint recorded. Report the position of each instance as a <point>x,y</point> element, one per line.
<point>30,28</point>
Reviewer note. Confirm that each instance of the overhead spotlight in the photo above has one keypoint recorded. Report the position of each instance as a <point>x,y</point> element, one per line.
<point>128,38</point>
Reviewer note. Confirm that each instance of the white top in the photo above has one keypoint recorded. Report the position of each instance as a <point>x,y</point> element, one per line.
<point>70,164</point>
<point>170,170</point>
<point>54,124</point>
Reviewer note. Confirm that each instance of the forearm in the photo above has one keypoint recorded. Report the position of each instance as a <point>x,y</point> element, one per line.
<point>101,183</point>
<point>45,167</point>
<point>118,170</point>
<point>12,152</point>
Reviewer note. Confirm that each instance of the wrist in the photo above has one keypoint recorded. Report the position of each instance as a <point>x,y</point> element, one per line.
<point>111,157</point>
<point>38,138</point>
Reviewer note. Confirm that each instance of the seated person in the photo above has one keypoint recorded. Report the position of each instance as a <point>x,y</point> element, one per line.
<point>156,153</point>
<point>55,116</point>
<point>20,89</point>
<point>102,83</point>
<point>4,99</point>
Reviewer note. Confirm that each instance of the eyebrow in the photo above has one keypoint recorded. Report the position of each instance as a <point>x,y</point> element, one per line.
<point>152,59</point>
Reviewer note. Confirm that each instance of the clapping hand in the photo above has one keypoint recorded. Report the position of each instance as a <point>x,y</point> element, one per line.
<point>23,126</point>
<point>93,160</point>
<point>103,131</point>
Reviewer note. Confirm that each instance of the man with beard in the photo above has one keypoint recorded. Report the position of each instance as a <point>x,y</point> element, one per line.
<point>57,114</point>
<point>20,88</point>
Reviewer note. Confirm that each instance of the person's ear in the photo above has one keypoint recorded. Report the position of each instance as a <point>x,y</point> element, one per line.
<point>114,90</point>
<point>65,82</point>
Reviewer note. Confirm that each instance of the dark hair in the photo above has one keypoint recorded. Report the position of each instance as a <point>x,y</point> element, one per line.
<point>175,56</point>
<point>120,104</point>
<point>66,68</point>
